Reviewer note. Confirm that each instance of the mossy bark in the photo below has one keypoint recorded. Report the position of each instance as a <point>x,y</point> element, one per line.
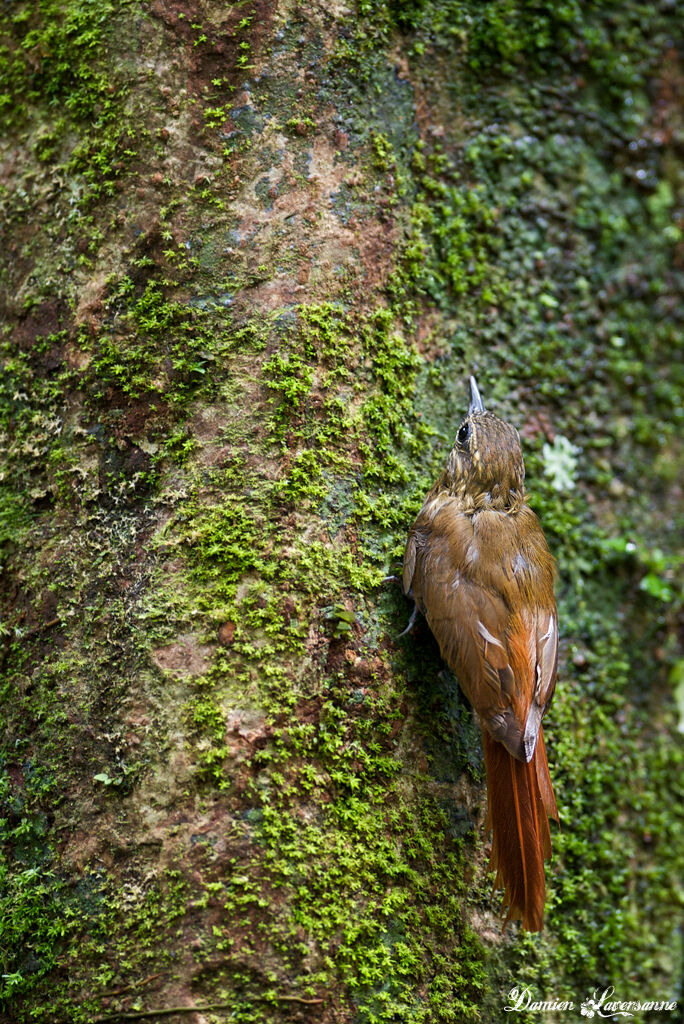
<point>252,253</point>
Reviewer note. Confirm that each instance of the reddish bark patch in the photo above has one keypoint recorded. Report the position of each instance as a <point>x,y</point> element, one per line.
<point>377,249</point>
<point>226,633</point>
<point>140,415</point>
<point>309,711</point>
<point>212,49</point>
<point>48,318</point>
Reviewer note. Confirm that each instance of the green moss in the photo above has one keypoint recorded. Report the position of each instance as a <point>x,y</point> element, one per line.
<point>48,54</point>
<point>514,297</point>
<point>391,909</point>
<point>36,908</point>
<point>454,235</point>
<point>156,342</point>
<point>388,908</point>
<point>245,480</point>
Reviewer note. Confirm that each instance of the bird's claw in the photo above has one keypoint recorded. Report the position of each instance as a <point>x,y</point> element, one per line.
<point>412,621</point>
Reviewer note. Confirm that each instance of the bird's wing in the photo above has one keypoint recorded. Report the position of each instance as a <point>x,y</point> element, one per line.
<point>503,649</point>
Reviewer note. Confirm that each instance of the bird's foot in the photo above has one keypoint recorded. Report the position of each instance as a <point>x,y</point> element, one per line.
<point>412,621</point>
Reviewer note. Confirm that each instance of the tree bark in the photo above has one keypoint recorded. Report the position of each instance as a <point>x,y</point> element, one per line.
<point>252,253</point>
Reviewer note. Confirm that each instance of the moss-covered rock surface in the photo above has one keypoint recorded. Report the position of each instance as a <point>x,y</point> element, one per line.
<point>251,252</point>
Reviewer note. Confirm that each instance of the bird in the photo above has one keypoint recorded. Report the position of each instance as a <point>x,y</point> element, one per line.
<point>479,569</point>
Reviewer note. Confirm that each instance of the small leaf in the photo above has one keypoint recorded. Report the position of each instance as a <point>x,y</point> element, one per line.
<point>656,587</point>
<point>677,679</point>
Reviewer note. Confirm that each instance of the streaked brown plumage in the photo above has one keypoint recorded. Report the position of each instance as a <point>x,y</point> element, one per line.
<point>479,568</point>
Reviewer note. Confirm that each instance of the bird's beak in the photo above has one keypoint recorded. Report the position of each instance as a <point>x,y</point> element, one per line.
<point>476,404</point>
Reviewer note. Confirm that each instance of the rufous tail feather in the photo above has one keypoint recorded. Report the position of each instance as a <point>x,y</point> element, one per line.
<point>520,796</point>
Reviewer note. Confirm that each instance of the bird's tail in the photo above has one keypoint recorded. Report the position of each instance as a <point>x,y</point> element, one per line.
<point>520,797</point>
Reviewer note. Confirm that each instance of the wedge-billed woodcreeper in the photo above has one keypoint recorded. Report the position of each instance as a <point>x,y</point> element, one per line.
<point>479,569</point>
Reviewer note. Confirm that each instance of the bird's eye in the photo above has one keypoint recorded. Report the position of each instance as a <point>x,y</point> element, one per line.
<point>463,433</point>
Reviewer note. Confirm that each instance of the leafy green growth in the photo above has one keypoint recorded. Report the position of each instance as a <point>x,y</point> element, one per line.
<point>36,910</point>
<point>208,489</point>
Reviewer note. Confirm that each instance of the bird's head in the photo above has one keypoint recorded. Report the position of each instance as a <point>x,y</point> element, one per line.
<point>485,465</point>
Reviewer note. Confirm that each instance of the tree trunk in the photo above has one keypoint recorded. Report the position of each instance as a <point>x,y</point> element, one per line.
<point>252,253</point>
